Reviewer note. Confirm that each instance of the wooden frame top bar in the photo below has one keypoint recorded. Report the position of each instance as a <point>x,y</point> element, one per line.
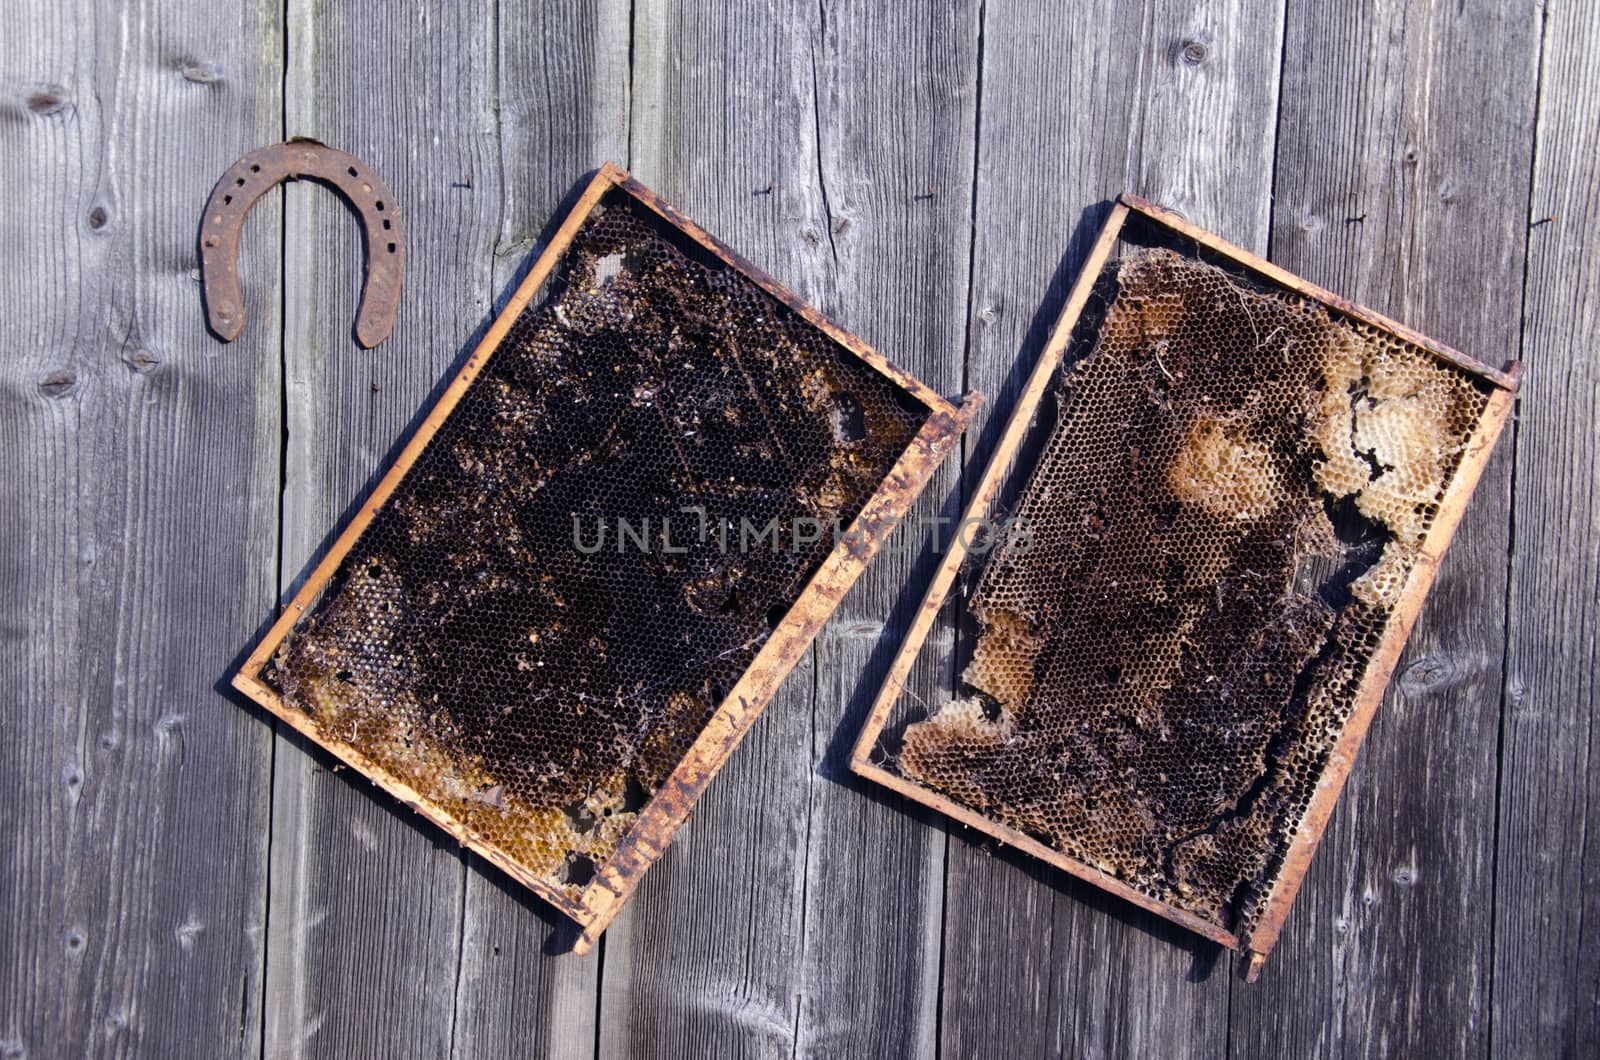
<point>1508,378</point>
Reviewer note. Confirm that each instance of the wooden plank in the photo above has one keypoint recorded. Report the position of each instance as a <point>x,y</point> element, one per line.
<point>895,153</point>
<point>138,486</point>
<point>1173,102</point>
<point>365,925</point>
<point>1402,183</point>
<point>789,138</point>
<point>1546,902</point>
<point>680,977</point>
<point>562,109</point>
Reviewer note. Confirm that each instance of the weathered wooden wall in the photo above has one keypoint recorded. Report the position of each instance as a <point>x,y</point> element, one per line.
<point>180,880</point>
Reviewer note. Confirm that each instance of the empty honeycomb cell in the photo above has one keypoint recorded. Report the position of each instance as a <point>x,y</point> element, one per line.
<point>1224,514</point>
<point>542,616</point>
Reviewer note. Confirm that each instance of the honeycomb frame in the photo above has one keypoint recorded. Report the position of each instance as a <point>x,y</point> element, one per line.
<point>596,901</point>
<point>1011,469</point>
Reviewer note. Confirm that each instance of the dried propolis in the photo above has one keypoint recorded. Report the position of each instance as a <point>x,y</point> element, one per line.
<point>540,620</point>
<point>1222,518</point>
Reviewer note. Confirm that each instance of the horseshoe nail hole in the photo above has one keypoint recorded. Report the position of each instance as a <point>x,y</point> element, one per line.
<point>226,199</point>
<point>380,205</point>
<point>386,224</point>
<point>391,248</point>
<point>255,168</point>
<point>351,171</point>
<point>211,241</point>
<point>238,182</point>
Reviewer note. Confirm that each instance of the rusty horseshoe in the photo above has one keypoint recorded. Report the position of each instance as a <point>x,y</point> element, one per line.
<point>258,173</point>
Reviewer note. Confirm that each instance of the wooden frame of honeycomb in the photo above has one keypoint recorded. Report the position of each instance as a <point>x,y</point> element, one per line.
<point>618,833</point>
<point>1066,783</point>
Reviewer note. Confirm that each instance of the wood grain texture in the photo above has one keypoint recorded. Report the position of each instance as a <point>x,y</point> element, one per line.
<point>561,91</point>
<point>138,488</point>
<point>895,158</point>
<point>1177,103</point>
<point>790,139</point>
<point>701,962</point>
<point>1546,898</point>
<point>365,923</point>
<point>1402,183</point>
<point>1452,907</point>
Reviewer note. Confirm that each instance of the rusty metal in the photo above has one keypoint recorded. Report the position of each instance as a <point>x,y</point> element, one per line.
<point>257,173</point>
<point>1236,503</point>
<point>558,710</point>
